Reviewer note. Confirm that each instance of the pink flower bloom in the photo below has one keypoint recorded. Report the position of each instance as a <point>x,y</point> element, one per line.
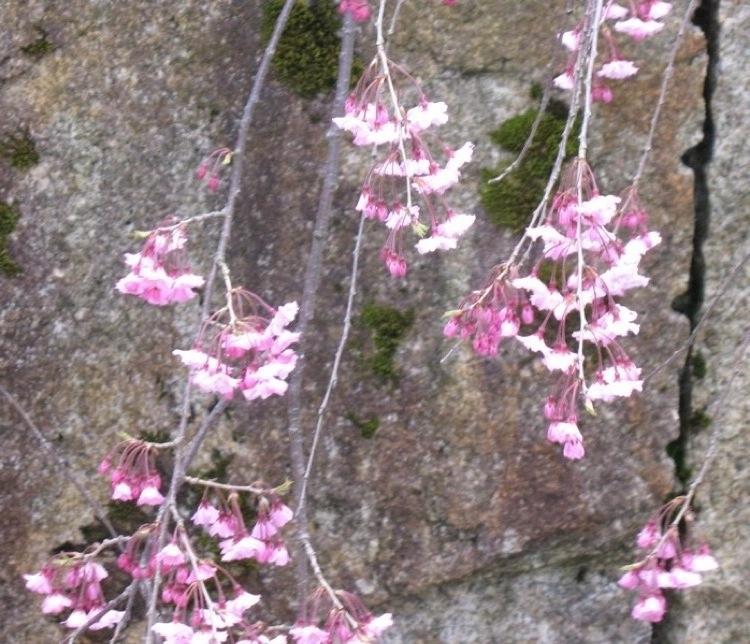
<point>656,10</point>
<point>618,69</point>
<point>703,561</point>
<point>378,625</point>
<point>426,115</point>
<point>170,556</point>
<point>630,580</point>
<point>359,9</point>
<point>649,536</point>
<point>560,358</point>
<point>571,40</point>
<point>246,547</point>
<point>110,619</point>
<point>280,514</point>
<point>638,29</point>
<point>563,432</point>
<point>565,80</point>
<point>206,514</point>
<point>456,225</point>
<point>150,496</point>
<point>174,632</point>
<point>56,603</point>
<point>436,242</point>
<point>242,602</point>
<point>573,450</point>
<point>309,634</point>
<point>614,12</point>
<point>38,583</point>
<point>650,608</point>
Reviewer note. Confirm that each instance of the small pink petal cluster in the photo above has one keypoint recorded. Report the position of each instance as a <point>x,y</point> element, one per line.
<point>132,472</point>
<point>263,543</point>
<point>194,619</point>
<point>410,161</point>
<point>73,581</point>
<point>360,9</point>
<point>326,624</point>
<point>542,313</point>
<point>208,170</point>
<point>666,563</point>
<point>160,273</point>
<point>638,22</point>
<point>248,352</point>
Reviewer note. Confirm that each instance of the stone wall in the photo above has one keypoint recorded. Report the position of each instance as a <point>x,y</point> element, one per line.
<point>456,514</point>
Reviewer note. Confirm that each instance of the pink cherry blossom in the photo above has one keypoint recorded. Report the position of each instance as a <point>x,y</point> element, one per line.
<point>618,69</point>
<point>638,29</point>
<point>650,608</point>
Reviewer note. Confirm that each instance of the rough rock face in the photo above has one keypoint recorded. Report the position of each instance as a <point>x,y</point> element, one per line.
<point>455,514</point>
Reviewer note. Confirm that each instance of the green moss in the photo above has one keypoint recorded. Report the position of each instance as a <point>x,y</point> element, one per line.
<point>700,420</point>
<point>698,365</point>
<point>307,56</point>
<point>8,218</point>
<point>40,46</point>
<point>388,326</point>
<point>366,426</point>
<point>510,202</point>
<point>19,149</point>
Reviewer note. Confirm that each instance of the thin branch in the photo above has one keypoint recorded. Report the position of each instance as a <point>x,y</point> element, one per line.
<point>336,361</point>
<point>667,76</point>
<point>313,275</point>
<point>58,460</point>
<point>181,460</point>
<point>729,281</point>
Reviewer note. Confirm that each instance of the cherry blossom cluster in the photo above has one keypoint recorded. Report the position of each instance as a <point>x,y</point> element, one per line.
<point>589,249</point>
<point>346,622</point>
<point>244,347</point>
<point>132,472</point>
<point>73,581</point>
<point>263,543</point>
<point>202,608</point>
<point>360,9</point>
<point>638,20</point>
<point>408,166</point>
<point>208,170</point>
<point>160,273</point>
<point>666,562</point>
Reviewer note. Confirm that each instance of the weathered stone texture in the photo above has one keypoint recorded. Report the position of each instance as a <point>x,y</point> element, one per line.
<point>456,515</point>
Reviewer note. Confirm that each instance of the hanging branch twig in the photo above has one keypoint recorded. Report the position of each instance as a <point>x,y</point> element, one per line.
<point>60,462</point>
<point>313,274</point>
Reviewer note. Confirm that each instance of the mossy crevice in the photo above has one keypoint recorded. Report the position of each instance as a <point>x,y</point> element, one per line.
<point>19,149</point>
<point>9,216</point>
<point>510,202</point>
<point>307,55</point>
<point>366,426</point>
<point>39,47</point>
<point>388,326</point>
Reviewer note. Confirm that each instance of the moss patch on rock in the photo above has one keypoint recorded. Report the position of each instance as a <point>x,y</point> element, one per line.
<point>19,149</point>
<point>40,46</point>
<point>510,202</point>
<point>388,326</point>
<point>9,216</point>
<point>307,56</point>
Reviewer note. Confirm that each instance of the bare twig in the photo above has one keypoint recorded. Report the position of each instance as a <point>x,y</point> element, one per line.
<point>60,462</point>
<point>313,274</point>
